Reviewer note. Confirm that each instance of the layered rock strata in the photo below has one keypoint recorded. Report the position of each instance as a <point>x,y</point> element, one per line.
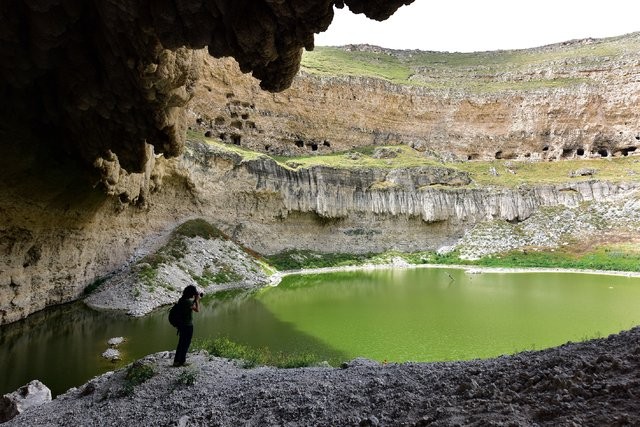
<point>274,208</point>
<point>568,101</point>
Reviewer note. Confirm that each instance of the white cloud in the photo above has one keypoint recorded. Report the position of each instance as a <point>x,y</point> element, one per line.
<point>474,25</point>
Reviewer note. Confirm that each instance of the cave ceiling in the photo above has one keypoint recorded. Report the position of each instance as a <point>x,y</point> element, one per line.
<point>101,78</point>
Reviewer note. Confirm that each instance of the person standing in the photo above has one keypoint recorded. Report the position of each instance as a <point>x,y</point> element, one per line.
<point>188,303</point>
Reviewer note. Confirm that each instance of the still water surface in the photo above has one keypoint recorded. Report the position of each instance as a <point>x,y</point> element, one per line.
<point>394,315</point>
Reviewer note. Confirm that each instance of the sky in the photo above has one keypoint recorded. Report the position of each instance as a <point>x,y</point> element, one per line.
<point>480,25</point>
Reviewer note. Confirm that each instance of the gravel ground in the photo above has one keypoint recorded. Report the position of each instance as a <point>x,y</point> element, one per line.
<point>592,383</point>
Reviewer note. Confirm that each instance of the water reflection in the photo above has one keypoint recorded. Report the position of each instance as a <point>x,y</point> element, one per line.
<point>62,346</point>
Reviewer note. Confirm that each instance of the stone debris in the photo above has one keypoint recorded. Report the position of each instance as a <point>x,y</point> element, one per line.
<point>115,341</point>
<point>551,227</point>
<point>582,172</point>
<point>385,153</point>
<point>590,383</point>
<point>111,354</point>
<point>28,396</point>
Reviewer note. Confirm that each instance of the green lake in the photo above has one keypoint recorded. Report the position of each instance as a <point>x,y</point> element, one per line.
<point>422,314</point>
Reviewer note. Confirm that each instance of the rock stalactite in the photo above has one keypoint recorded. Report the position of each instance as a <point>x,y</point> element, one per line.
<point>102,78</point>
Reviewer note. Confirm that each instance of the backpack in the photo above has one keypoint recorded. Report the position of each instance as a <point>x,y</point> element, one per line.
<point>174,316</point>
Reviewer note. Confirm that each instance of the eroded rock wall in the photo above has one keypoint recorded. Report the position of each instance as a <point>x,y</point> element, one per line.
<point>569,107</point>
<point>58,235</point>
<point>271,208</point>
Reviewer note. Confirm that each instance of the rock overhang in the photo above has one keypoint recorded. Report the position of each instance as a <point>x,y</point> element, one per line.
<point>99,79</point>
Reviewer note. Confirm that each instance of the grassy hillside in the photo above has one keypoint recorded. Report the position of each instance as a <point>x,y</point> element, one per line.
<point>477,71</point>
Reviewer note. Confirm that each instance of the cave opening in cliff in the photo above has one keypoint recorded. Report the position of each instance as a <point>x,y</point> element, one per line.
<point>626,151</point>
<point>566,152</point>
<point>235,139</point>
<point>498,155</point>
<point>580,151</point>
<point>314,146</point>
<point>603,152</point>
<point>299,143</point>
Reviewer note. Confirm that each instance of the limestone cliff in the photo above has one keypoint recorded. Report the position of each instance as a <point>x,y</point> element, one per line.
<point>572,100</point>
<point>92,94</point>
<point>270,207</point>
<point>106,77</point>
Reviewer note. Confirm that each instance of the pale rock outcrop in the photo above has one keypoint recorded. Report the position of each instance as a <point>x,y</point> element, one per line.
<point>28,396</point>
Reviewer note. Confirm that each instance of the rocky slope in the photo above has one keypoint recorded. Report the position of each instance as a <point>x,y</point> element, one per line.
<point>571,100</point>
<point>590,383</point>
<point>210,263</point>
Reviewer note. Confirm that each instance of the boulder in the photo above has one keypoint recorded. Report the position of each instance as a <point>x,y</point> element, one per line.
<point>115,341</point>
<point>582,172</point>
<point>33,394</point>
<point>385,153</point>
<point>111,354</point>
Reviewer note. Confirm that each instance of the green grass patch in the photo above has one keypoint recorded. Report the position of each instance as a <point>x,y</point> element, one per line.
<point>225,274</point>
<point>198,228</point>
<point>299,259</point>
<point>148,274</point>
<point>218,145</point>
<point>619,257</point>
<point>137,373</point>
<point>224,347</point>
<point>406,158</point>
<point>599,259</point>
<point>609,258</point>
<point>510,173</point>
<point>187,377</point>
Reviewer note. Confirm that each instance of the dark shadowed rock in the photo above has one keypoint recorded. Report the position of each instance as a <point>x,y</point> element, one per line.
<point>99,79</point>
